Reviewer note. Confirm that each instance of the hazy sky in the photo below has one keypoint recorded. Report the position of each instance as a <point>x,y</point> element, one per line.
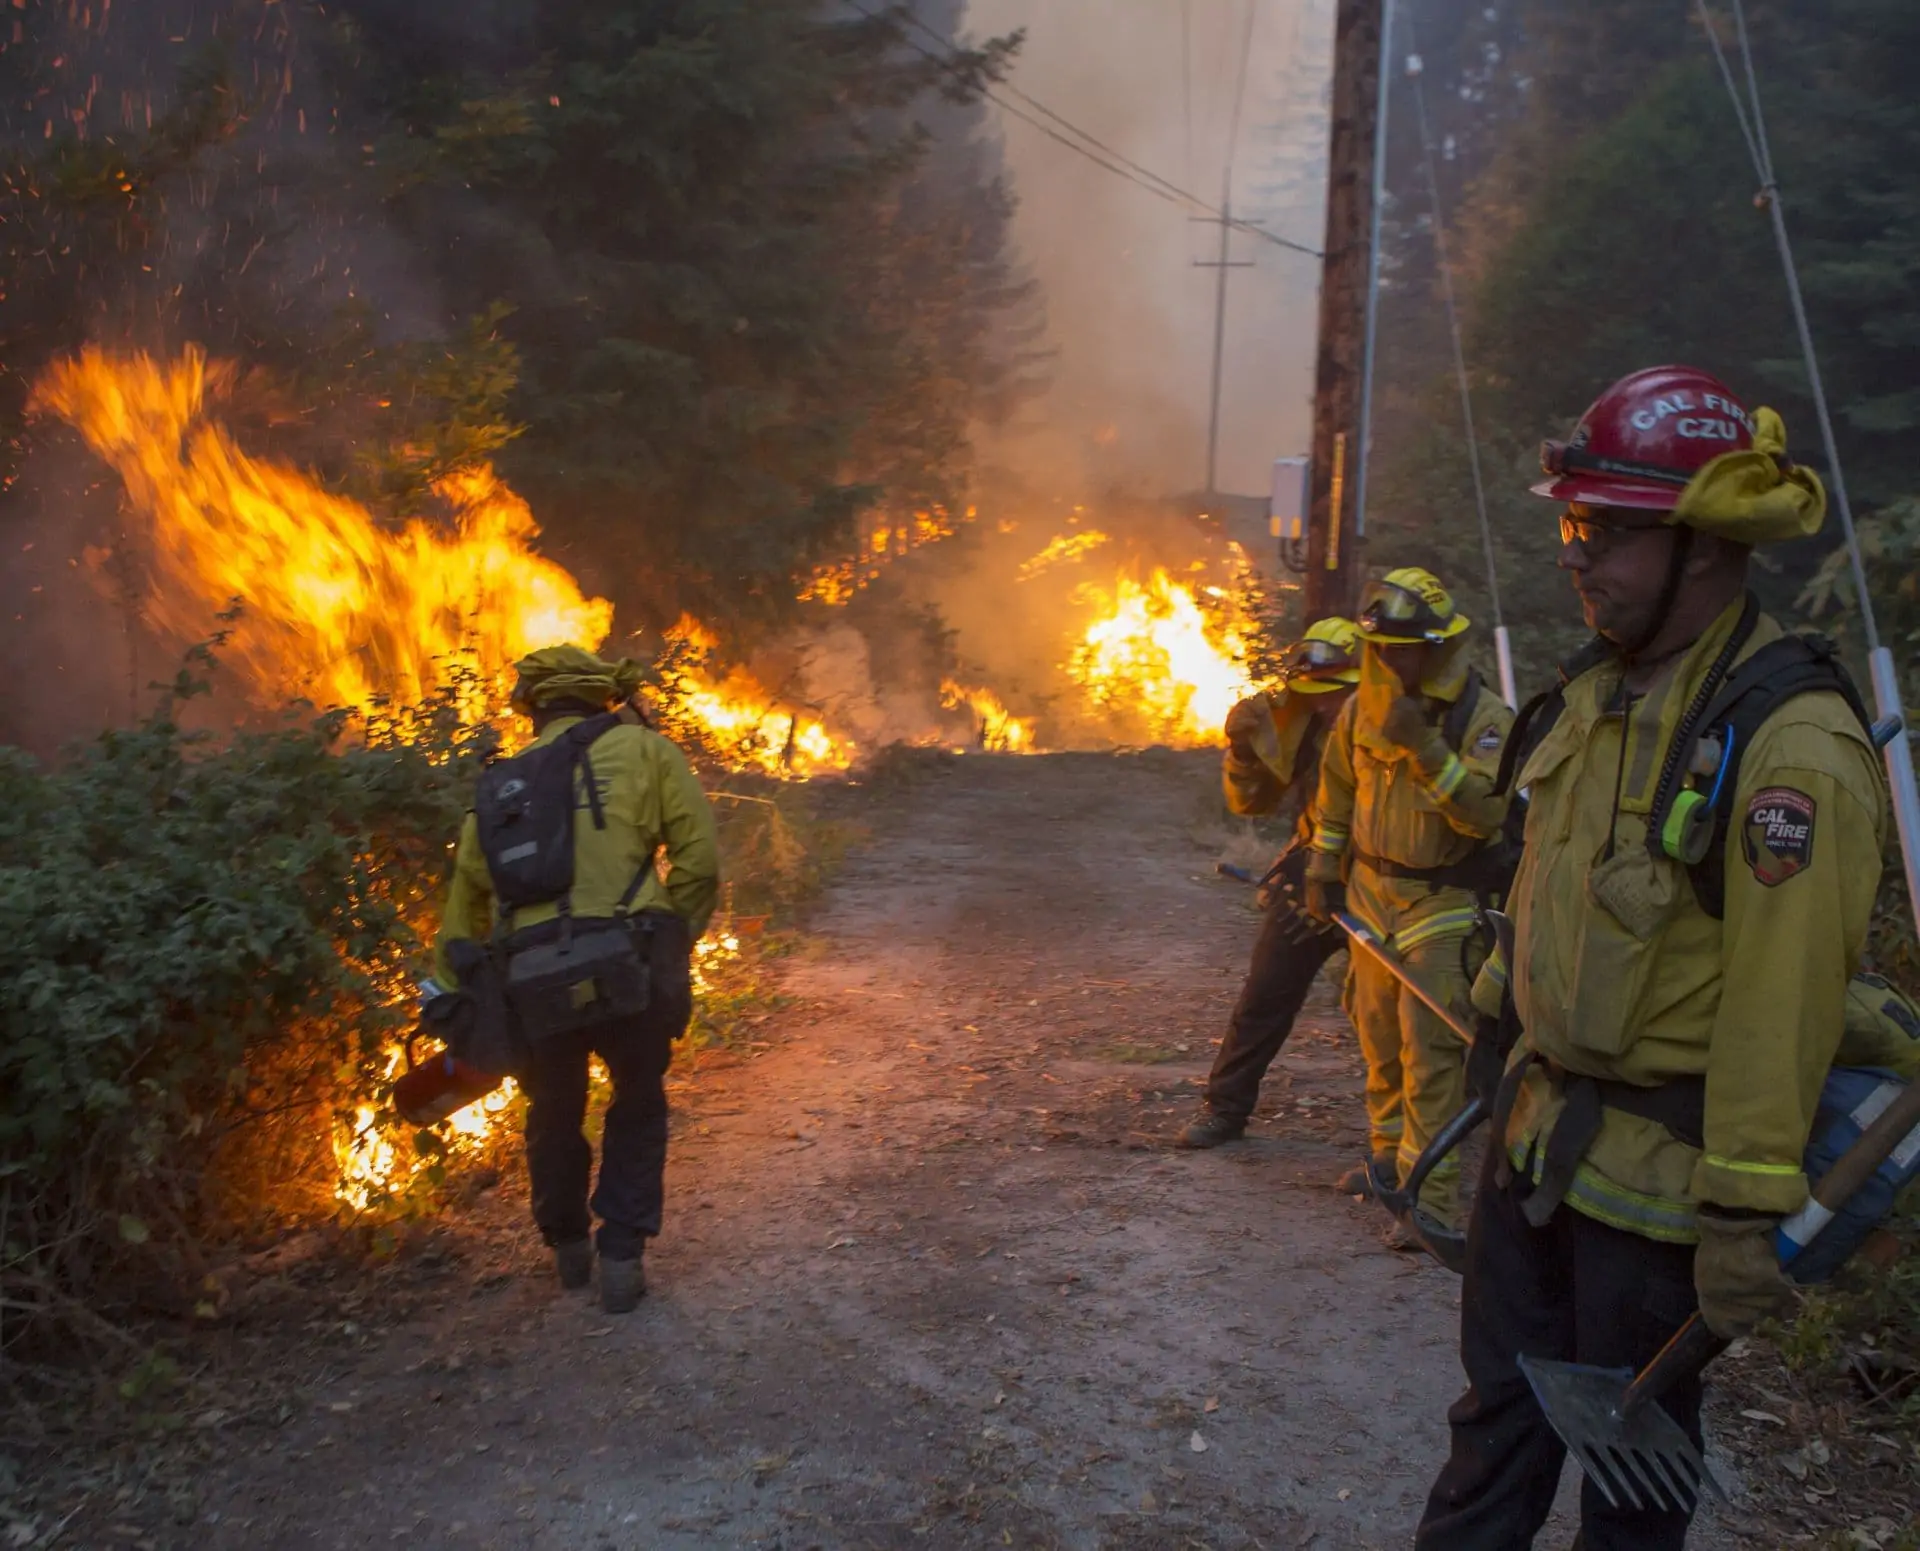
<point>1131,318</point>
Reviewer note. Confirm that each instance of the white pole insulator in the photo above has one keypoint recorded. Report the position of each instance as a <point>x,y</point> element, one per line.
<point>1906,802</point>
<point>1503,654</point>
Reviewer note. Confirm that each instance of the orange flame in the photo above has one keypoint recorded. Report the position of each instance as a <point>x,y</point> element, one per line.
<point>997,730</point>
<point>751,728</point>
<point>1157,659</point>
<point>336,606</point>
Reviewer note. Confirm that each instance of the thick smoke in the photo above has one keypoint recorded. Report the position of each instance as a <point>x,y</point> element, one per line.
<point>1130,316</point>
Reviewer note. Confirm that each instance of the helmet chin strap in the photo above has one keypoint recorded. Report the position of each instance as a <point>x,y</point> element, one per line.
<point>1669,593</point>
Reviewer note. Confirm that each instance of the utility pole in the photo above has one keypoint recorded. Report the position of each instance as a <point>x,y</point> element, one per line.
<point>1334,558</point>
<point>1221,264</point>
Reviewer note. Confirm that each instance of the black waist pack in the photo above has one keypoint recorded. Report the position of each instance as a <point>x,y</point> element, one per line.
<point>571,974</point>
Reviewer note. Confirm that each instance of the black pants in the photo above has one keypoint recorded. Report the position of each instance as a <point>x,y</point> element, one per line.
<point>1575,1290</point>
<point>633,1150</point>
<point>1287,956</point>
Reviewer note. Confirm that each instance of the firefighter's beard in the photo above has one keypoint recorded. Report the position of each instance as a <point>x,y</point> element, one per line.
<point>1624,622</point>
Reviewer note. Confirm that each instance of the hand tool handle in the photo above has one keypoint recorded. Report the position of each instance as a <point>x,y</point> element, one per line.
<point>1856,1165</point>
<point>1448,1137</point>
<point>1693,1346</point>
<point>1850,1171</point>
<point>1367,941</point>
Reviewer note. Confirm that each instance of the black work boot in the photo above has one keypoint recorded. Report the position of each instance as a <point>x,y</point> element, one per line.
<point>1370,1178</point>
<point>622,1284</point>
<point>573,1261</point>
<point>1212,1130</point>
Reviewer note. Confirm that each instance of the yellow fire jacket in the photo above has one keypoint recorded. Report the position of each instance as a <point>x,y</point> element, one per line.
<point>1417,808</point>
<point>1620,974</point>
<point>656,817</point>
<point>1288,748</point>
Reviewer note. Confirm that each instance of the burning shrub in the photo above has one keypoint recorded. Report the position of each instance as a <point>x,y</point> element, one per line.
<point>203,964</point>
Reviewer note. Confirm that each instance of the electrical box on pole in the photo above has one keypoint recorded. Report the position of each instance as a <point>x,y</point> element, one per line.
<point>1287,503</point>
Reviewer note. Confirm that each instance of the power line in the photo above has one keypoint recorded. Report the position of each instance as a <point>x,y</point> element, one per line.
<point>1240,85</point>
<point>1101,154</point>
<point>1186,77</point>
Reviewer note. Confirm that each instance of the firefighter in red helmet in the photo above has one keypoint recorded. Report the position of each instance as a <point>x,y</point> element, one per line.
<point>1702,851</point>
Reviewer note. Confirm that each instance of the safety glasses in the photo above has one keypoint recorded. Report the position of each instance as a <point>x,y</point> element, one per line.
<point>1389,610</point>
<point>1307,657</point>
<point>1597,535</point>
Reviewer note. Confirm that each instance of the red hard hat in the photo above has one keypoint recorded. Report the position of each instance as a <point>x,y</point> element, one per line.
<point>1642,441</point>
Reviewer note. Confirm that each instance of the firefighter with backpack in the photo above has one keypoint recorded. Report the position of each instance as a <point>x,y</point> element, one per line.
<point>1407,829</point>
<point>1703,846</point>
<point>581,881</point>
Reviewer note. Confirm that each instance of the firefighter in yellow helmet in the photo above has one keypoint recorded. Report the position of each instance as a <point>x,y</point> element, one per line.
<point>1273,755</point>
<point>1703,844</point>
<point>1405,822</point>
<point>644,864</point>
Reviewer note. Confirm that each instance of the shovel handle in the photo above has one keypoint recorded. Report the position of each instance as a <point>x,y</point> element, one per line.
<point>1693,1346</point>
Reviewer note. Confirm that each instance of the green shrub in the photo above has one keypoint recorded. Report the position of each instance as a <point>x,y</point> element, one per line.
<point>204,951</point>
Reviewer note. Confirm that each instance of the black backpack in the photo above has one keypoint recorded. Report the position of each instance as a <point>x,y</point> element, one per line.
<point>524,808</point>
<point>565,975</point>
<point>1733,703</point>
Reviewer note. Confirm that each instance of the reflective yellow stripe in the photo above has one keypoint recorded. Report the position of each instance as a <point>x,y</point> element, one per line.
<point>1447,782</point>
<point>1774,1170</point>
<point>1593,1195</point>
<point>1496,968</point>
<point>1421,932</point>
<point>1329,838</point>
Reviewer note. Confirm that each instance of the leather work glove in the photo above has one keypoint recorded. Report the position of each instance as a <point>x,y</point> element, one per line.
<point>1736,1273</point>
<point>1405,725</point>
<point>1326,897</point>
<point>1243,725</point>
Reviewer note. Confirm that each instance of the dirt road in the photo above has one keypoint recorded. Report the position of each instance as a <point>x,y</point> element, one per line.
<point>932,1275</point>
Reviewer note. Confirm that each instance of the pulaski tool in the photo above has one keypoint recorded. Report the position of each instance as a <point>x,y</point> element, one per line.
<point>1629,1447</point>
<point>1446,1245</point>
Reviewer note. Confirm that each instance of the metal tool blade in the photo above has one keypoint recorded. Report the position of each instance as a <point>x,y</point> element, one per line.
<point>1640,1459</point>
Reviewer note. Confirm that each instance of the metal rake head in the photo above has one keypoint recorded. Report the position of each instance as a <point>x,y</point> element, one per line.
<point>1639,1459</point>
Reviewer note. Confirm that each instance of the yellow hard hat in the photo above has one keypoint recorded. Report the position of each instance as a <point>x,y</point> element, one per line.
<point>1324,659</point>
<point>1408,606</point>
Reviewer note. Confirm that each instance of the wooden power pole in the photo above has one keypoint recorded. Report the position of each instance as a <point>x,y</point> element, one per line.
<point>1334,560</point>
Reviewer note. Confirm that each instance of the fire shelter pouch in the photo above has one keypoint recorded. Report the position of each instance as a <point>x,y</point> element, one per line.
<point>595,973</point>
<point>1630,896</point>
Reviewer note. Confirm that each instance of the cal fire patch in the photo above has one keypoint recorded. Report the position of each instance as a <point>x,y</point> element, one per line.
<point>1487,742</point>
<point>1779,834</point>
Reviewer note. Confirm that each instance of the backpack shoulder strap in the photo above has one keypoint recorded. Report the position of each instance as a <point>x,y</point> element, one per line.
<point>1780,671</point>
<point>580,738</point>
<point>1453,727</point>
<point>625,904</point>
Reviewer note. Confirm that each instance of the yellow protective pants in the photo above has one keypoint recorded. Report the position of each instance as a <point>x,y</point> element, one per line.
<point>1416,1065</point>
